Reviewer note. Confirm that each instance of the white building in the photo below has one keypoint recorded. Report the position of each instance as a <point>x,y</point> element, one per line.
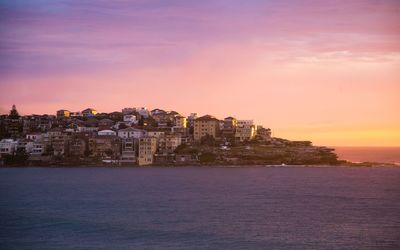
<point>106,132</point>
<point>245,130</point>
<point>131,119</point>
<point>131,133</point>
<point>75,114</point>
<point>143,111</point>
<point>39,148</point>
<point>245,122</point>
<point>87,129</point>
<point>8,146</point>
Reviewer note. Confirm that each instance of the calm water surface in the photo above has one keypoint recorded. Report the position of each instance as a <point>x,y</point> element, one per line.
<point>200,208</point>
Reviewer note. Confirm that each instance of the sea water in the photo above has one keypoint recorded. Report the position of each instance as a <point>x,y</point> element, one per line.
<point>200,208</point>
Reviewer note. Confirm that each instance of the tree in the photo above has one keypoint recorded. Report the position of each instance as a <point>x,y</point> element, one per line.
<point>122,126</point>
<point>13,113</point>
<point>208,140</point>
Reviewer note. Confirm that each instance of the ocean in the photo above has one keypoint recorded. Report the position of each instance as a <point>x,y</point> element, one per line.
<point>369,154</point>
<point>200,208</point>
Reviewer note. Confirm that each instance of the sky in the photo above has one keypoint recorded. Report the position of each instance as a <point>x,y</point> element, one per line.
<point>326,71</point>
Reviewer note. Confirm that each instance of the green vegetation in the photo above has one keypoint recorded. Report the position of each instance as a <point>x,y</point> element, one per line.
<point>207,157</point>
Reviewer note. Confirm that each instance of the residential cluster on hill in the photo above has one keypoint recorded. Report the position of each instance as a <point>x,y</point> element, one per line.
<point>138,136</point>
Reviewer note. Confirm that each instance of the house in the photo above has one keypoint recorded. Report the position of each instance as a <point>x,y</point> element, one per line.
<point>8,147</point>
<point>107,132</point>
<point>89,112</point>
<point>131,119</point>
<point>162,117</point>
<point>245,130</point>
<point>205,125</point>
<point>131,133</point>
<point>143,112</point>
<point>147,149</point>
<point>62,113</point>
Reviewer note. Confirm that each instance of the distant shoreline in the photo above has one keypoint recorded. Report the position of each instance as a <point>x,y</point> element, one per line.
<point>347,165</point>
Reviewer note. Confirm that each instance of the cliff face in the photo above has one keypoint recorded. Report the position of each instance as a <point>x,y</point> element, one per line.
<point>276,153</point>
<point>295,155</point>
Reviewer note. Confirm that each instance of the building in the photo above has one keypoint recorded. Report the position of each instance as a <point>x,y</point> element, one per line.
<point>25,146</point>
<point>128,153</point>
<point>229,128</point>
<point>59,144</point>
<point>106,132</point>
<point>143,112</point>
<point>164,118</point>
<point>156,134</point>
<point>14,127</point>
<point>264,134</point>
<point>190,120</point>
<point>157,112</point>
<point>77,146</point>
<point>205,125</point>
<point>89,112</point>
<point>33,136</point>
<point>105,146</point>
<point>245,130</point>
<point>131,119</point>
<point>84,129</point>
<point>39,148</point>
<point>75,114</point>
<point>62,113</point>
<point>131,133</point>
<point>8,147</point>
<point>147,149</point>
<point>54,132</point>
<point>179,121</point>
<point>168,143</point>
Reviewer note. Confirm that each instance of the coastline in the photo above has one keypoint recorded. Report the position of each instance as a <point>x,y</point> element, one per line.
<point>200,165</point>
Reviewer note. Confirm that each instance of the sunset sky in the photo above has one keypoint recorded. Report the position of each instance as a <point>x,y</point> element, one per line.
<point>326,71</point>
